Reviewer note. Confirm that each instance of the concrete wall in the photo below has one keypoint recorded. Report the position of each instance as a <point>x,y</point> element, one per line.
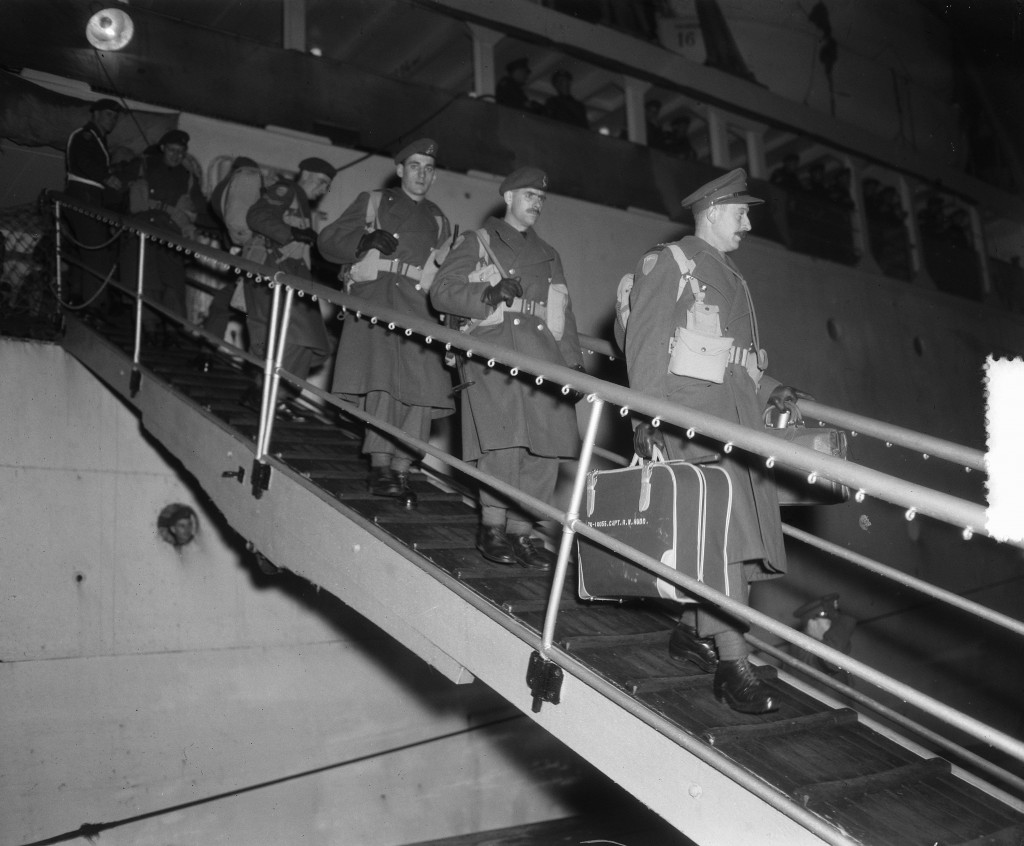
<point>135,678</point>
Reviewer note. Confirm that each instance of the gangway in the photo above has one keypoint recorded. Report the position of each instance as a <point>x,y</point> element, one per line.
<point>821,769</point>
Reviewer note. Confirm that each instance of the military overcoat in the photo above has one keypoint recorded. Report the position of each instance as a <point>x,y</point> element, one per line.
<point>370,356</point>
<point>501,411</point>
<point>272,216</point>
<point>655,312</point>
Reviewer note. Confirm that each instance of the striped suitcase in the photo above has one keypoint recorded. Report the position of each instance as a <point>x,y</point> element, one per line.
<point>674,511</point>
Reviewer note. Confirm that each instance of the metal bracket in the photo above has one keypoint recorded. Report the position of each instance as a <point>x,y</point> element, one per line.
<point>260,478</point>
<point>234,474</point>
<point>545,680</point>
<point>134,382</point>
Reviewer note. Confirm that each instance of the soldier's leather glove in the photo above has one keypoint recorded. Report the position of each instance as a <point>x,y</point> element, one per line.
<point>575,395</point>
<point>646,438</point>
<point>784,398</point>
<point>505,291</point>
<point>303,235</point>
<point>380,240</point>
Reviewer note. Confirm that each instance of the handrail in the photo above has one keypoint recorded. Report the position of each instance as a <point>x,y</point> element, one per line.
<point>886,487</point>
<point>857,424</point>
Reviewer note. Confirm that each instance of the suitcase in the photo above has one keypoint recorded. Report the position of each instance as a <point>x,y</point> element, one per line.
<point>674,511</point>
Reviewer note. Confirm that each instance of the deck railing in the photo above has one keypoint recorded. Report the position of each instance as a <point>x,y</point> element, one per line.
<point>968,516</point>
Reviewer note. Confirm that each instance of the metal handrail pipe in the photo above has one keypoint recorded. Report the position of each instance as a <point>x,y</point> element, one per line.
<point>908,438</point>
<point>963,722</point>
<point>572,513</point>
<point>918,500</point>
<point>916,441</point>
<point>960,752</point>
<point>915,584</point>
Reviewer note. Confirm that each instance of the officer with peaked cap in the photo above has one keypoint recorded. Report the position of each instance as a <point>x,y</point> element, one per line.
<point>388,240</point>
<point>508,284</point>
<point>282,224</point>
<point>739,392</point>
<point>89,180</point>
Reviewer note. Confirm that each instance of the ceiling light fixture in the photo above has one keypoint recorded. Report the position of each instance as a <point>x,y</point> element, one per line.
<point>110,29</point>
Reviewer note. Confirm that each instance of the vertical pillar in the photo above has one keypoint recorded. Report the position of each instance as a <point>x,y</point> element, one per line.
<point>718,138</point>
<point>484,77</point>
<point>978,237</point>
<point>294,25</point>
<point>859,217</point>
<point>757,162</point>
<point>636,120</point>
<point>920,272</point>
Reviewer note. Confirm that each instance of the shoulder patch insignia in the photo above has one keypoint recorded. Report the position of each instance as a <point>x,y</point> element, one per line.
<point>650,260</point>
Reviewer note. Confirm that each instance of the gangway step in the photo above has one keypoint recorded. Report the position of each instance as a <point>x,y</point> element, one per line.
<point>849,788</point>
<point>778,728</point>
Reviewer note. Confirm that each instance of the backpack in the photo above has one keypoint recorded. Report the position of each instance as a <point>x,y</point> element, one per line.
<point>625,288</point>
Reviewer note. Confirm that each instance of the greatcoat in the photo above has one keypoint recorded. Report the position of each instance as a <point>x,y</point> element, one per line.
<point>755,530</point>
<point>501,411</point>
<point>272,216</point>
<point>370,356</point>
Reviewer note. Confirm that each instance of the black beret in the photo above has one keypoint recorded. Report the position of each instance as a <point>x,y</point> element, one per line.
<point>106,105</point>
<point>422,146</point>
<point>315,165</point>
<point>728,189</point>
<point>175,136</point>
<point>525,177</point>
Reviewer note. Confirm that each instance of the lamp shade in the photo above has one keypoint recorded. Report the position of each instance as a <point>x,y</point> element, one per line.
<point>109,29</point>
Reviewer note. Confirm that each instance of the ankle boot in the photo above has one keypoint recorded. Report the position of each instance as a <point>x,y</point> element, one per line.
<point>738,687</point>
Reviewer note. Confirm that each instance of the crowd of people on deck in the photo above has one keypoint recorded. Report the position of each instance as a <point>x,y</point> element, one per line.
<point>396,249</point>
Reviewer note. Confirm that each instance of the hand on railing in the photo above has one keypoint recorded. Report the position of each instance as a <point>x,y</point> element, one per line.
<point>646,438</point>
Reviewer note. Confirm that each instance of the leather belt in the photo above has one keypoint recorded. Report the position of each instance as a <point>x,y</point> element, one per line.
<point>521,306</point>
<point>400,268</point>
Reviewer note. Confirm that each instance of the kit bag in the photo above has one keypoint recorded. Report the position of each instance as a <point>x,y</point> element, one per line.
<point>676,512</point>
<point>792,484</point>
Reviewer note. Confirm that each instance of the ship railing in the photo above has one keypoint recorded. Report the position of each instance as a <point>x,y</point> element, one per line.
<point>599,394</point>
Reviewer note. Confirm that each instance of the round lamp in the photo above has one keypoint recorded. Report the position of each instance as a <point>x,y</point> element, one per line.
<point>109,29</point>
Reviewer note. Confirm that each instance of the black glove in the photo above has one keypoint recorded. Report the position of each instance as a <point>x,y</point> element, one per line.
<point>646,438</point>
<point>505,291</point>
<point>575,395</point>
<point>303,235</point>
<point>380,240</point>
<point>784,398</point>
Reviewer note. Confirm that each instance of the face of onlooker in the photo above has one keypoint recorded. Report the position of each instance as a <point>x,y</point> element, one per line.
<point>314,185</point>
<point>174,154</point>
<point>105,120</point>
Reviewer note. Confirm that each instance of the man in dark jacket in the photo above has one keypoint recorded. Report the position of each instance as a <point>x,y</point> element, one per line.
<point>282,224</point>
<point>89,178</point>
<point>509,285</point>
<point>658,306</point>
<point>165,194</point>
<point>388,239</point>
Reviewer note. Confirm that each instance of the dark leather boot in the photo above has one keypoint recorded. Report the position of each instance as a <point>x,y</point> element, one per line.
<point>684,645</point>
<point>738,687</point>
<point>384,482</point>
<point>531,553</point>
<point>494,545</point>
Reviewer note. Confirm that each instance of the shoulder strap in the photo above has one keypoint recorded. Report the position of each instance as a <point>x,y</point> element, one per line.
<point>685,270</point>
<point>483,236</point>
<point>373,209</point>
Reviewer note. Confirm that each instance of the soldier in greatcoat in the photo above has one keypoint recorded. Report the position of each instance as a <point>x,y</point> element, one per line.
<point>388,239</point>
<point>509,285</point>
<point>282,225</point>
<point>658,305</point>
